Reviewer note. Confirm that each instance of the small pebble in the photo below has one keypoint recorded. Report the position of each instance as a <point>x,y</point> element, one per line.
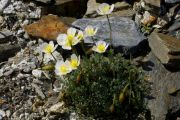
<point>9,72</point>
<point>2,113</point>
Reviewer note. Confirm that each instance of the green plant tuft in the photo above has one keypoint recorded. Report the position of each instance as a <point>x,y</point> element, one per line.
<point>106,86</point>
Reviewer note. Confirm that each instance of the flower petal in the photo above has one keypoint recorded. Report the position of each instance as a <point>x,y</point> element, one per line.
<point>99,12</point>
<point>101,42</point>
<point>80,35</point>
<point>73,56</point>
<point>51,43</point>
<point>94,48</point>
<point>62,68</point>
<point>71,31</point>
<point>75,41</point>
<point>111,9</point>
<point>61,39</point>
<point>66,47</point>
<point>105,9</point>
<point>95,30</point>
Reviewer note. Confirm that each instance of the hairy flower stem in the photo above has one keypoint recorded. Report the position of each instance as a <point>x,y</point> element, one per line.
<point>53,57</point>
<point>82,45</point>
<point>110,36</point>
<point>130,87</point>
<point>93,40</point>
<point>41,63</point>
<point>74,50</point>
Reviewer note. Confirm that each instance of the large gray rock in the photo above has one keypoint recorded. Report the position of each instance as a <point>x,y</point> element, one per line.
<point>172,1</point>
<point>59,2</point>
<point>155,3</point>
<point>153,6</point>
<point>166,48</point>
<point>158,7</point>
<point>44,1</point>
<point>125,32</point>
<point>174,29</point>
<point>164,100</point>
<point>5,36</point>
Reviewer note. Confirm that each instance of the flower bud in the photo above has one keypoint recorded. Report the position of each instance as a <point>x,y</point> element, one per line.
<point>121,97</point>
<point>78,78</point>
<point>111,108</point>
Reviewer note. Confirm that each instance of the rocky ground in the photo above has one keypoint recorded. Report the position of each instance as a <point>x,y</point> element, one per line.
<point>149,30</point>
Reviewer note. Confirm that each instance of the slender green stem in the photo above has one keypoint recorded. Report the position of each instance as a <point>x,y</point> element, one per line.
<point>125,88</point>
<point>82,45</point>
<point>53,57</point>
<point>42,59</point>
<point>130,87</point>
<point>109,29</point>
<point>74,50</point>
<point>93,39</point>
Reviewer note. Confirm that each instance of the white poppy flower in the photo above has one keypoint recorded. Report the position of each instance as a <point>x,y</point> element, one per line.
<point>75,61</point>
<point>105,9</point>
<point>49,48</point>
<point>90,31</point>
<point>80,35</point>
<point>62,68</point>
<point>63,41</point>
<point>71,32</point>
<point>72,37</point>
<point>100,46</point>
<point>48,57</point>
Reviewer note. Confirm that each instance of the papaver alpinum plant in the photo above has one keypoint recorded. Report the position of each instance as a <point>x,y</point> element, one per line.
<point>95,84</point>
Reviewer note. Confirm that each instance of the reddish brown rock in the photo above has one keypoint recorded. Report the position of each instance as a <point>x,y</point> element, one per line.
<point>166,48</point>
<point>148,18</point>
<point>47,28</point>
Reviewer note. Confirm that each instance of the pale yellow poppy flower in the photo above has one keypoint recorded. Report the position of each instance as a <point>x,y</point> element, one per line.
<point>105,9</point>
<point>49,48</point>
<point>72,37</point>
<point>62,68</point>
<point>100,46</point>
<point>90,31</point>
<point>74,61</point>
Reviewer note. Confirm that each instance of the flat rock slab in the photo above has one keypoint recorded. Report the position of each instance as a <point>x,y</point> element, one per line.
<point>172,1</point>
<point>59,2</point>
<point>5,36</point>
<point>166,48</point>
<point>44,1</point>
<point>125,32</point>
<point>155,3</point>
<point>164,98</point>
<point>7,50</point>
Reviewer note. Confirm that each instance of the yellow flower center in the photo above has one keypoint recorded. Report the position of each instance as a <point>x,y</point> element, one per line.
<point>105,8</point>
<point>101,48</point>
<point>68,43</point>
<point>48,49</point>
<point>74,63</point>
<point>70,40</point>
<point>90,31</point>
<point>70,37</point>
<point>63,69</point>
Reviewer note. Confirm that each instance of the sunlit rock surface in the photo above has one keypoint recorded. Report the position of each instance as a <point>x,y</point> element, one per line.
<point>125,33</point>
